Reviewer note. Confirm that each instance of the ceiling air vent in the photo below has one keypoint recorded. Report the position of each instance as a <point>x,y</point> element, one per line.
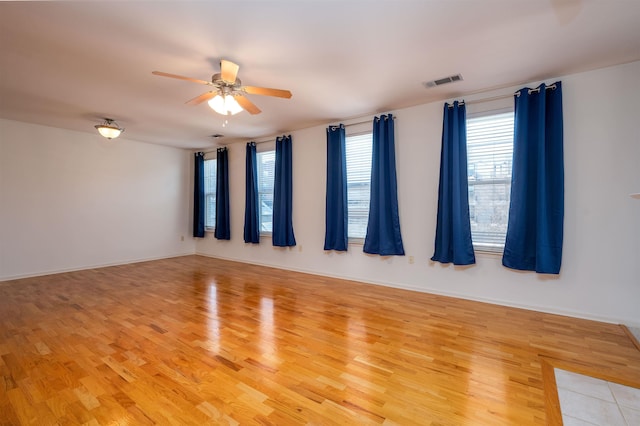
<point>441,81</point>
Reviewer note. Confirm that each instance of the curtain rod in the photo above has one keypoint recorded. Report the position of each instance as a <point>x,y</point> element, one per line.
<point>356,122</point>
<point>257,142</point>
<point>213,150</point>
<point>495,98</point>
<point>272,139</point>
<point>268,139</point>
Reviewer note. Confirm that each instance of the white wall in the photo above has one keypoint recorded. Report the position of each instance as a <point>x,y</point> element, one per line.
<point>600,276</point>
<point>71,200</point>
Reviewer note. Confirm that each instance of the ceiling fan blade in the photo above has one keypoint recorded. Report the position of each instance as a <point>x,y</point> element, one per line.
<point>180,77</point>
<point>200,99</point>
<point>267,92</point>
<point>247,105</point>
<point>228,71</point>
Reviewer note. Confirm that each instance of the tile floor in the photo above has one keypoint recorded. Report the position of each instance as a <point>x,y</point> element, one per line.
<point>587,401</point>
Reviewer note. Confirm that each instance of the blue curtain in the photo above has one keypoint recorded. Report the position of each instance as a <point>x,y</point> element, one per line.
<point>383,229</point>
<point>223,228</point>
<point>536,213</point>
<point>282,199</point>
<point>336,216</point>
<point>198,196</point>
<point>251,225</point>
<point>453,230</point>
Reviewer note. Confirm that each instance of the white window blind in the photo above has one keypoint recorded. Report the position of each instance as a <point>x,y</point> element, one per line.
<point>210,169</point>
<point>358,159</point>
<point>266,177</point>
<point>489,159</point>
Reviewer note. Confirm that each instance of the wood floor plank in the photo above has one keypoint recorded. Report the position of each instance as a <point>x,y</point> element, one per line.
<point>195,340</point>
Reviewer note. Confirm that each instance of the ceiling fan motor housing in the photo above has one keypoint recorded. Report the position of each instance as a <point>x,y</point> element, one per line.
<point>217,80</point>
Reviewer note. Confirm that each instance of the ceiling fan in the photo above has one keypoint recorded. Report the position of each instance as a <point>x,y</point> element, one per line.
<point>228,94</point>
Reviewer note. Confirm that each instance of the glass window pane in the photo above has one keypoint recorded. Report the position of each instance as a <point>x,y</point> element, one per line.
<point>358,156</point>
<point>266,176</point>
<point>489,159</point>
<point>210,168</point>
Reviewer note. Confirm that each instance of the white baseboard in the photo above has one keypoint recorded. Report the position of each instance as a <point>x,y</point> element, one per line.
<point>93,266</point>
<point>402,286</point>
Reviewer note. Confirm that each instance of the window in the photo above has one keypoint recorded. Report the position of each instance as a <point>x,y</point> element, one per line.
<point>266,176</point>
<point>489,158</point>
<point>358,158</point>
<point>210,169</point>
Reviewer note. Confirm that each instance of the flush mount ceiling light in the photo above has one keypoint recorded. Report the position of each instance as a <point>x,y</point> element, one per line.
<point>109,129</point>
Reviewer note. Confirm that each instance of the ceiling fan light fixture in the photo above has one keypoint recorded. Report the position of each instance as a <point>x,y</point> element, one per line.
<point>109,129</point>
<point>228,94</point>
<point>225,105</point>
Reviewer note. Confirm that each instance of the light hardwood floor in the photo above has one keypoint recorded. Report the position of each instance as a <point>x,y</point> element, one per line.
<point>194,340</point>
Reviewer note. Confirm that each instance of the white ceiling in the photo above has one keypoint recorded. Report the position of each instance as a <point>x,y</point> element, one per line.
<point>67,64</point>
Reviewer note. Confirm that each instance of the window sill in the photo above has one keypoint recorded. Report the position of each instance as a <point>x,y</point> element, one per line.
<point>490,251</point>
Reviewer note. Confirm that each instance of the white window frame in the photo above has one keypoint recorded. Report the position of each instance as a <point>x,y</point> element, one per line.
<point>358,177</point>
<point>210,165</point>
<point>266,194</point>
<point>497,177</point>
